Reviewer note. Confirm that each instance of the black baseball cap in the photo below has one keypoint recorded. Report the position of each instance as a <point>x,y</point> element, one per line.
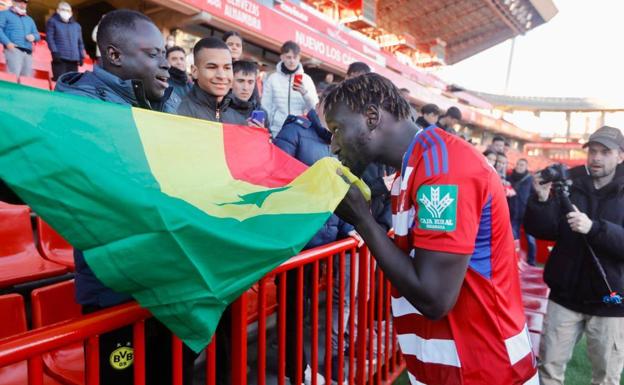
<point>609,137</point>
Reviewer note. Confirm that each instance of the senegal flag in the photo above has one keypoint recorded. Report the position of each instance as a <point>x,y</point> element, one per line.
<point>183,214</point>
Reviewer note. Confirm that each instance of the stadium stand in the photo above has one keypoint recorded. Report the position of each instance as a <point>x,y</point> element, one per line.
<point>12,322</point>
<point>52,246</point>
<point>50,305</point>
<point>20,262</point>
<point>7,77</point>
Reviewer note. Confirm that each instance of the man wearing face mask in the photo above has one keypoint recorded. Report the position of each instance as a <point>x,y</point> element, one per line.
<point>17,33</point>
<point>64,37</point>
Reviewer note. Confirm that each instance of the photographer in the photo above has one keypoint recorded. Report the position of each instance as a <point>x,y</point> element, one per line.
<point>576,304</point>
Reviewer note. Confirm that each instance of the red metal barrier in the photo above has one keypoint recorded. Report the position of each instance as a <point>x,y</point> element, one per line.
<point>369,316</point>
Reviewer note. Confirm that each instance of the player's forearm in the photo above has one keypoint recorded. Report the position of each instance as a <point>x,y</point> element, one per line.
<point>399,269</point>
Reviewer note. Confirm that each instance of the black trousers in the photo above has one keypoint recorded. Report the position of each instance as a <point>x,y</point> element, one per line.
<point>116,355</point>
<point>61,66</point>
<point>291,320</point>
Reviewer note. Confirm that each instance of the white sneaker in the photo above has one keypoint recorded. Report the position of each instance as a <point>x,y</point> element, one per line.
<point>307,377</point>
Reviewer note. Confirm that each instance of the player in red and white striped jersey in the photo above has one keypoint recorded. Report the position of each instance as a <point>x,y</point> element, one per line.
<point>456,303</point>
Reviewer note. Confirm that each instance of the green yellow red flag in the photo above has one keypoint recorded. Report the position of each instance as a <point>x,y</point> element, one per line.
<point>182,214</point>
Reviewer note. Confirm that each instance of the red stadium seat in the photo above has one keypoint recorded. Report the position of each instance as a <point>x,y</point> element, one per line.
<point>53,247</point>
<point>535,321</point>
<point>535,304</point>
<point>42,59</point>
<point>52,304</point>
<point>13,321</point>
<point>8,77</point>
<point>536,289</point>
<point>20,262</point>
<point>2,59</point>
<point>43,84</point>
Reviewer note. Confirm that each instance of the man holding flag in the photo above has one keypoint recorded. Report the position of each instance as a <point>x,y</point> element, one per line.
<point>133,71</point>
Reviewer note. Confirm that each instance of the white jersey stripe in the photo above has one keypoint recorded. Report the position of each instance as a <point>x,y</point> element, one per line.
<point>403,221</point>
<point>433,351</point>
<point>405,178</point>
<point>518,346</point>
<point>413,379</point>
<point>534,380</point>
<point>401,307</point>
<point>396,187</point>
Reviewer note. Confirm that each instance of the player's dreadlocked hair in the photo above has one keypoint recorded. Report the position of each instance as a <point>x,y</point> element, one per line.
<point>370,89</point>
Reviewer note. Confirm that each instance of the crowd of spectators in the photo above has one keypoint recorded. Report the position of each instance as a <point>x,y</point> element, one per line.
<point>134,68</point>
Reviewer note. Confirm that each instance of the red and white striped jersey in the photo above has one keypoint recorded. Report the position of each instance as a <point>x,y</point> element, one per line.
<point>448,199</point>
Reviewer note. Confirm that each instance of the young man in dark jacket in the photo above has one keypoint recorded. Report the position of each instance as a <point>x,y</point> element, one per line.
<point>430,114</point>
<point>308,141</point>
<point>522,183</point>
<point>244,100</point>
<point>210,97</point>
<point>451,117</point>
<point>64,37</point>
<point>133,72</point>
<point>577,288</point>
<point>179,79</point>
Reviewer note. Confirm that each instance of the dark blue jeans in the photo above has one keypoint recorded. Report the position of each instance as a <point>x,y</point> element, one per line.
<point>530,242</point>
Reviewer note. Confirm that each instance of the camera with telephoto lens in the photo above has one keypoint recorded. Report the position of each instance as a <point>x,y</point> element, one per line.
<point>554,173</point>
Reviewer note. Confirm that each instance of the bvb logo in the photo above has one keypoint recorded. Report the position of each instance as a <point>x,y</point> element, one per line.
<point>122,358</point>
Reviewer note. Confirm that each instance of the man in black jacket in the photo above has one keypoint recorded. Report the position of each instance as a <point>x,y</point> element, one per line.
<point>451,117</point>
<point>522,183</point>
<point>430,114</point>
<point>179,79</point>
<point>577,288</point>
<point>244,98</point>
<point>133,72</point>
<point>210,97</point>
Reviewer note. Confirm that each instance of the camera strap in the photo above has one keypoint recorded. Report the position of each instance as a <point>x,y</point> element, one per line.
<point>613,298</point>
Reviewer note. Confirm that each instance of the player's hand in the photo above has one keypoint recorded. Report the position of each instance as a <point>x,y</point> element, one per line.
<point>353,208</point>
<point>30,37</point>
<point>299,87</point>
<point>10,46</point>
<point>542,190</point>
<point>354,234</point>
<point>579,222</point>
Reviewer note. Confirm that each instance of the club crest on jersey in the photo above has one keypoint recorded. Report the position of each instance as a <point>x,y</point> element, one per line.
<point>437,209</point>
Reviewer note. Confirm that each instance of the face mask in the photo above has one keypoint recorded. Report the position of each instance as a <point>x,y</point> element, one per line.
<point>65,15</point>
<point>19,11</point>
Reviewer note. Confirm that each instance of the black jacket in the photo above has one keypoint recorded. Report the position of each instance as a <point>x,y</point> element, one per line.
<point>422,122</point>
<point>570,273</point>
<point>101,84</point>
<point>179,81</point>
<point>246,108</point>
<point>201,105</point>
<point>522,185</point>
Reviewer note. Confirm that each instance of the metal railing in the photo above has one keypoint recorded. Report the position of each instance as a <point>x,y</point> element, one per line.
<point>373,356</point>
